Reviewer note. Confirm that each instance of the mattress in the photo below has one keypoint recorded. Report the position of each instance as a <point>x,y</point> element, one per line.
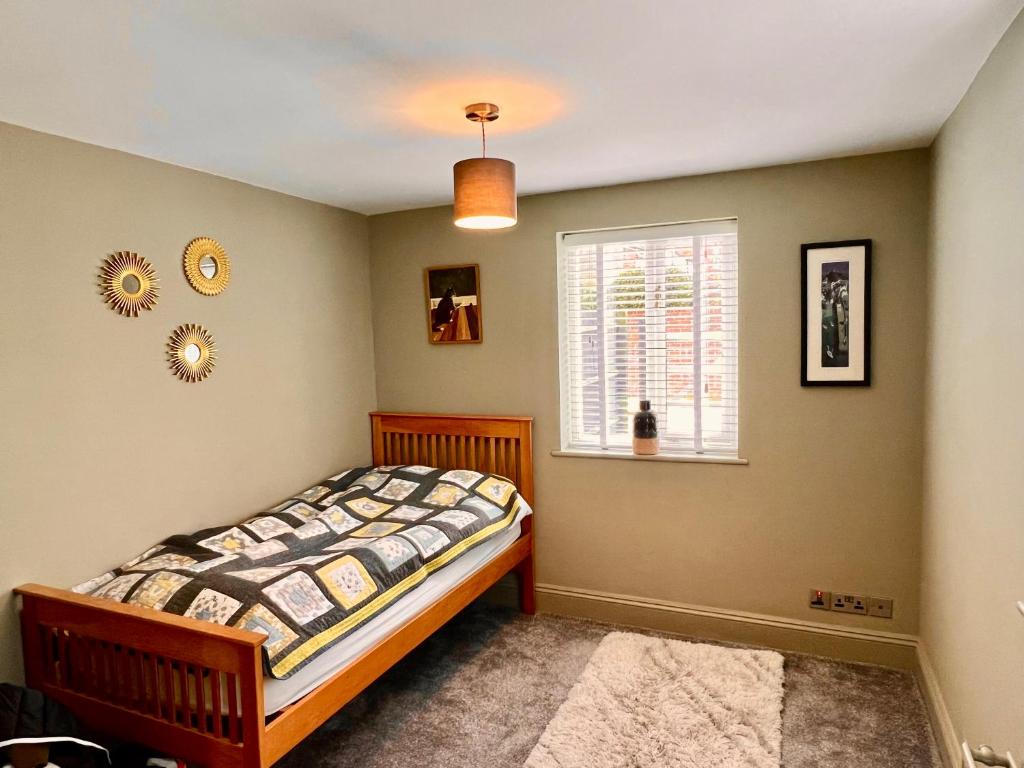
<point>278,694</point>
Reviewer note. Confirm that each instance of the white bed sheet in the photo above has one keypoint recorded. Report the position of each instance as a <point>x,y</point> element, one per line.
<point>278,694</point>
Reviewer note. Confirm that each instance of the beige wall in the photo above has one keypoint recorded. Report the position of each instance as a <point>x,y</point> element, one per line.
<point>832,495</point>
<point>104,451</point>
<point>974,514</point>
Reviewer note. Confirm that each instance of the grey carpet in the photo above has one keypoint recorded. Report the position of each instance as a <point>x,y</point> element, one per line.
<point>480,692</point>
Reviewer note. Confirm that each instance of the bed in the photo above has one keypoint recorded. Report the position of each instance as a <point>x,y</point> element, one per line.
<point>199,691</point>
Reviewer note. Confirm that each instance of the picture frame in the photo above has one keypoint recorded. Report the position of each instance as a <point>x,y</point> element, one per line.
<point>835,314</point>
<point>454,307</point>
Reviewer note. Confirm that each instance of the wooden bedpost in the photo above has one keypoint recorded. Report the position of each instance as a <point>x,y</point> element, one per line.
<point>524,575</point>
<point>524,571</point>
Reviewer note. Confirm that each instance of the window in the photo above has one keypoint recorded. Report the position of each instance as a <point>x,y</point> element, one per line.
<point>650,313</point>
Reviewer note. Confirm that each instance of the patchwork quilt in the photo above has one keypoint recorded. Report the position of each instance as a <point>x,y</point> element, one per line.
<point>318,565</point>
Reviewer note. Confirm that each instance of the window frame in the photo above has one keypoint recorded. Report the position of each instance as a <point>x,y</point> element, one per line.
<point>596,236</point>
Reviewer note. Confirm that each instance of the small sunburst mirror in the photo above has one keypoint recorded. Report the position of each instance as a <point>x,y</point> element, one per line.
<point>207,266</point>
<point>191,352</point>
<point>129,283</point>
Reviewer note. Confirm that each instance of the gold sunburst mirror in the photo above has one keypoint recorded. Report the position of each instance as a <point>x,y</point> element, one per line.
<point>191,352</point>
<point>207,266</point>
<point>129,283</point>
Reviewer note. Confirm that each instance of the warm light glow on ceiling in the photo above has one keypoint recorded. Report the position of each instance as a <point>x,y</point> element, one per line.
<point>439,106</point>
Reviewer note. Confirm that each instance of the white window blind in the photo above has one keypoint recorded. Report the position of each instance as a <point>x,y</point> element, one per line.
<point>650,313</point>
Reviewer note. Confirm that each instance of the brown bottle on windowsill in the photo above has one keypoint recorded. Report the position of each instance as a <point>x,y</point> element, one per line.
<point>645,430</point>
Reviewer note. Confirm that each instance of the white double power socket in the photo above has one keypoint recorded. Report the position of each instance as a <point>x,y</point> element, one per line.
<point>848,603</point>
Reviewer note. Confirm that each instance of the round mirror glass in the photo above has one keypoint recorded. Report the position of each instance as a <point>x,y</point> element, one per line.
<point>208,266</point>
<point>192,353</point>
<point>130,284</point>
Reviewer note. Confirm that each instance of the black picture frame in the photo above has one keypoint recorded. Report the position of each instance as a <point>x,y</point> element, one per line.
<point>858,365</point>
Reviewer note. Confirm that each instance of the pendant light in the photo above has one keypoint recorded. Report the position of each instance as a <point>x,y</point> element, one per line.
<point>485,187</point>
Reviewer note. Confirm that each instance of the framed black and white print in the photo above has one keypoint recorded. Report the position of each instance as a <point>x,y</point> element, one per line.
<point>835,318</point>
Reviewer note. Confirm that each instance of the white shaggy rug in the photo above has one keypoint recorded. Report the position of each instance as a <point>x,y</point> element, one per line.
<point>644,702</point>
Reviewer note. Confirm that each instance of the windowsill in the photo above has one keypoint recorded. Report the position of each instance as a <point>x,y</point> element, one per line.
<point>691,458</point>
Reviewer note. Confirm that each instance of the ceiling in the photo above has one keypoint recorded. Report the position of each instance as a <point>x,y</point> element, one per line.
<point>359,103</point>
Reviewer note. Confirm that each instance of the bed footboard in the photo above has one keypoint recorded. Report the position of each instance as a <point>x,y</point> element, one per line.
<point>189,688</point>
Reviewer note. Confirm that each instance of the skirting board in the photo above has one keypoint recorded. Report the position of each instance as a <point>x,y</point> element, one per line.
<point>942,723</point>
<point>847,643</point>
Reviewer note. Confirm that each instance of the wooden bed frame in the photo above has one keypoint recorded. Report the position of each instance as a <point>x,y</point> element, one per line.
<point>144,676</point>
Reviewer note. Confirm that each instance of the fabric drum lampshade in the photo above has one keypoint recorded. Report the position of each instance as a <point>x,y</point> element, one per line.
<point>485,193</point>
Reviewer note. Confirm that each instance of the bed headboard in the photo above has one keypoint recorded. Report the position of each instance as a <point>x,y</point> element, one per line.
<point>502,445</point>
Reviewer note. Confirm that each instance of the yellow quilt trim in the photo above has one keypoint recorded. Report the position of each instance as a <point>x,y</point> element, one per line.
<point>315,643</point>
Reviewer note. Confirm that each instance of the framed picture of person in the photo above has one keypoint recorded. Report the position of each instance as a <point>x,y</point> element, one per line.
<point>835,316</point>
<point>453,304</point>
